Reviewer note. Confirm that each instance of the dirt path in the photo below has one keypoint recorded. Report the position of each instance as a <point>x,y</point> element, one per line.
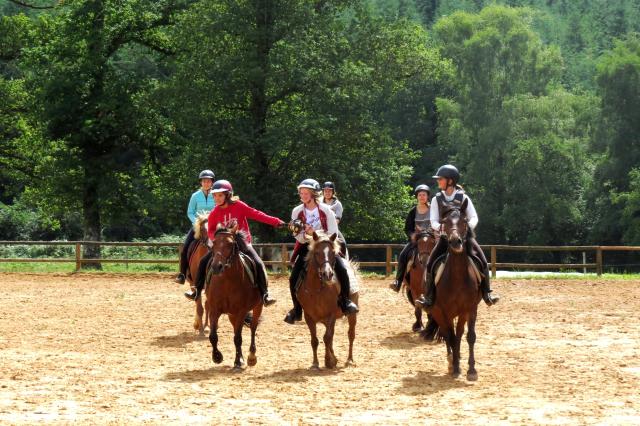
<point>120,349</point>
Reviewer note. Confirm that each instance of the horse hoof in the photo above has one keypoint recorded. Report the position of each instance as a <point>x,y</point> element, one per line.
<point>238,368</point>
<point>314,367</point>
<point>455,374</point>
<point>350,363</point>
<point>217,357</point>
<point>472,376</point>
<point>416,328</point>
<point>330,363</point>
<point>252,360</point>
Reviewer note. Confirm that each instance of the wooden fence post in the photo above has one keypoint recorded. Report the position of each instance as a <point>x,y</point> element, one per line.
<point>285,258</point>
<point>388,261</point>
<point>494,260</point>
<point>599,261</point>
<point>78,256</point>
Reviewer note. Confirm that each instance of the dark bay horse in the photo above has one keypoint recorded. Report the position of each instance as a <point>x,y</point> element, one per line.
<point>231,291</point>
<point>424,241</point>
<point>318,295</point>
<point>196,251</point>
<point>457,295</point>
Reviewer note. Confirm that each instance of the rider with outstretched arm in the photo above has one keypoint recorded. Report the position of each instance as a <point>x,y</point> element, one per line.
<point>229,209</point>
<point>452,197</point>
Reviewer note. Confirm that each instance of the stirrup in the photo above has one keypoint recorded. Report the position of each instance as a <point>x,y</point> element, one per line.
<point>490,299</point>
<point>195,295</point>
<point>348,307</point>
<point>267,300</point>
<point>293,316</point>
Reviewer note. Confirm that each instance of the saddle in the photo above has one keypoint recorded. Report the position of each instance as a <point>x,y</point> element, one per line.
<point>190,251</point>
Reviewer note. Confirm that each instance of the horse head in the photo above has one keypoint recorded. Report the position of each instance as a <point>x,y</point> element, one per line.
<point>323,251</point>
<point>421,239</point>
<point>225,246</point>
<point>200,226</point>
<point>455,230</point>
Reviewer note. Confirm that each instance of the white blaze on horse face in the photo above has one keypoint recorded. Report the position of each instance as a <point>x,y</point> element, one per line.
<point>326,270</point>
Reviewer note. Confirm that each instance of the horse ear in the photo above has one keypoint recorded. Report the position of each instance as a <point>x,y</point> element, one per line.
<point>234,227</point>
<point>333,237</point>
<point>316,237</point>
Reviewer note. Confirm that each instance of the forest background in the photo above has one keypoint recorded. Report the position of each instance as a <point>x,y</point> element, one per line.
<point>110,108</point>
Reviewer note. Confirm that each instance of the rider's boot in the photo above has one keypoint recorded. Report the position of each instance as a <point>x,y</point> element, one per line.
<point>485,287</point>
<point>427,300</point>
<point>294,314</point>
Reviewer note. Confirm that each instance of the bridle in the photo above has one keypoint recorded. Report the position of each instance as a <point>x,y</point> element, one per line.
<point>234,250</point>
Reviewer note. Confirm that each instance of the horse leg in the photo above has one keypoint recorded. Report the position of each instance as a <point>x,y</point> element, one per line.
<point>197,323</point>
<point>472,374</point>
<point>330,360</point>
<point>257,311</point>
<point>216,355</point>
<point>417,326</point>
<point>237,321</point>
<point>457,338</point>
<point>314,340</point>
<point>447,335</point>
<point>353,319</point>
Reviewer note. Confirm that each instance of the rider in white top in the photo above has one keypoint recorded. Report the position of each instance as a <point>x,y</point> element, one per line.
<point>452,197</point>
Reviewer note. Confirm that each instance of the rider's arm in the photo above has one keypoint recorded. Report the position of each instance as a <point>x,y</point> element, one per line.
<point>338,210</point>
<point>434,215</point>
<point>332,225</point>
<point>410,223</point>
<point>191,209</point>
<point>471,214</point>
<point>259,216</point>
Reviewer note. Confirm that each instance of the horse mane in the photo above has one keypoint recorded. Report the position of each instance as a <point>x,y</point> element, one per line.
<point>197,225</point>
<point>422,233</point>
<point>241,237</point>
<point>323,238</point>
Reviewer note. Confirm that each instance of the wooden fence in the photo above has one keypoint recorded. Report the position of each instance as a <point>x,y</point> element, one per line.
<point>388,263</point>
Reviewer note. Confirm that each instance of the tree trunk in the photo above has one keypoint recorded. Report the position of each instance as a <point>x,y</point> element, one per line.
<point>91,217</point>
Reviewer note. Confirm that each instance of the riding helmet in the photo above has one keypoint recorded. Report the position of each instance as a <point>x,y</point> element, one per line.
<point>449,172</point>
<point>422,187</point>
<point>222,186</point>
<point>329,184</point>
<point>310,184</point>
<point>207,174</point>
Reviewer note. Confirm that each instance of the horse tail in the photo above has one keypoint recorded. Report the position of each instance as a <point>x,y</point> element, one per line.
<point>431,331</point>
<point>197,225</point>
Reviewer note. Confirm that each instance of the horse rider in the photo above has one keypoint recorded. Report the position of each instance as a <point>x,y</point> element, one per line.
<point>330,198</point>
<point>315,216</point>
<point>452,197</point>
<point>229,208</point>
<point>417,219</point>
<point>201,202</point>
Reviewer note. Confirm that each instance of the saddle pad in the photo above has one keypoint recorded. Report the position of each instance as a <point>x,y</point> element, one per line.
<point>249,267</point>
<point>440,268</point>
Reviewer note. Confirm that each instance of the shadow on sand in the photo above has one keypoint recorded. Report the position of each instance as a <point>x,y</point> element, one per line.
<point>428,382</point>
<point>179,340</point>
<point>403,340</point>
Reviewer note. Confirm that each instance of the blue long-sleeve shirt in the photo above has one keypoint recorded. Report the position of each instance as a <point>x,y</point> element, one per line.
<point>199,203</point>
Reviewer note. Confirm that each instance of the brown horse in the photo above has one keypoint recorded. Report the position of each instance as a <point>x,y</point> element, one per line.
<point>231,291</point>
<point>197,250</point>
<point>318,295</point>
<point>457,295</point>
<point>424,242</point>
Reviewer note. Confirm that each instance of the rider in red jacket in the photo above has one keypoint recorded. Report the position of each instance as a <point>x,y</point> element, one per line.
<point>228,209</point>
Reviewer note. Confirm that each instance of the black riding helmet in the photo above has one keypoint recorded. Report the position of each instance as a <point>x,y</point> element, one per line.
<point>329,184</point>
<point>448,171</point>
<point>207,174</point>
<point>422,187</point>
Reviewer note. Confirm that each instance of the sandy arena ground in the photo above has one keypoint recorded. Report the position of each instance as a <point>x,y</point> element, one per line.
<point>99,349</point>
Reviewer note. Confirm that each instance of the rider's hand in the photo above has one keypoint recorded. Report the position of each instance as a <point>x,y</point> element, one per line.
<point>308,229</point>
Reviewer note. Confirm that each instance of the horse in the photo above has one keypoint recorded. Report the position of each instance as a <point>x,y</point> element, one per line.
<point>318,294</point>
<point>197,250</point>
<point>457,295</point>
<point>230,290</point>
<point>424,241</point>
